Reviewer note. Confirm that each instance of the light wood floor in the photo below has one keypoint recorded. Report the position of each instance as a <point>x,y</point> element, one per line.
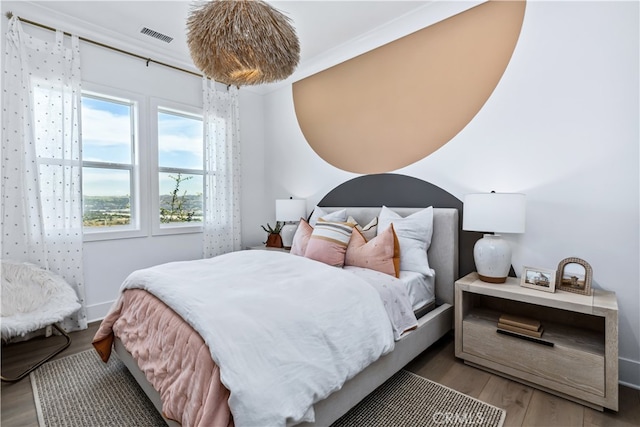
<point>525,406</point>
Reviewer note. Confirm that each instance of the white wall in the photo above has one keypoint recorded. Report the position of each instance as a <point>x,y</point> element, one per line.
<point>562,126</point>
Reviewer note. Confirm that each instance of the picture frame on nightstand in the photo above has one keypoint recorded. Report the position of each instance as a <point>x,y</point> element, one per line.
<point>574,275</point>
<point>542,279</point>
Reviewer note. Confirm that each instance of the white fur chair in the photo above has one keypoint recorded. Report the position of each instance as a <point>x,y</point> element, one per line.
<point>34,298</point>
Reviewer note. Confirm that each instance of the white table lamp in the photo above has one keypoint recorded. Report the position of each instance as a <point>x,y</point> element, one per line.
<point>497,213</point>
<point>290,211</point>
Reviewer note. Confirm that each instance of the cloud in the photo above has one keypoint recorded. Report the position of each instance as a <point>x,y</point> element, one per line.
<point>171,143</point>
<point>180,134</point>
<point>103,128</point>
<point>108,126</point>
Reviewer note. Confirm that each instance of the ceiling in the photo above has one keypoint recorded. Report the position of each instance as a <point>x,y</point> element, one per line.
<point>330,31</point>
<point>320,25</point>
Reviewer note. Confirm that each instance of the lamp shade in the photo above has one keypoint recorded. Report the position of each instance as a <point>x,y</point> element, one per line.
<point>494,212</point>
<point>290,209</point>
<point>242,42</point>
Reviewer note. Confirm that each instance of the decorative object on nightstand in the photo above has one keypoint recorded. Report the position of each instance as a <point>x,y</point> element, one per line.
<point>574,275</point>
<point>289,211</point>
<point>509,324</point>
<point>274,240</point>
<point>538,278</point>
<point>497,213</point>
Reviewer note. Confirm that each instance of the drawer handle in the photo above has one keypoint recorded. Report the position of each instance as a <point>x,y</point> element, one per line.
<point>525,337</point>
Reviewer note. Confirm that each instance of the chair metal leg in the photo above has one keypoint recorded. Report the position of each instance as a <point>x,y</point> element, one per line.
<point>57,351</point>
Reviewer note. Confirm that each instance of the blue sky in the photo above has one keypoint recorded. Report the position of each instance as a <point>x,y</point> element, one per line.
<point>107,136</point>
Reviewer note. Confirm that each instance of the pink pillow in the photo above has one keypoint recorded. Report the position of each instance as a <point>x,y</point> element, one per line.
<point>328,242</point>
<point>301,238</point>
<point>382,253</point>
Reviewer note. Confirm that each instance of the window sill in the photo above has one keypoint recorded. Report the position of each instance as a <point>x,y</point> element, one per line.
<point>95,236</point>
<point>177,229</point>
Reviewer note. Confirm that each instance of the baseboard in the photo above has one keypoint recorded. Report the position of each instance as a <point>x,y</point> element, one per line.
<point>97,312</point>
<point>629,372</point>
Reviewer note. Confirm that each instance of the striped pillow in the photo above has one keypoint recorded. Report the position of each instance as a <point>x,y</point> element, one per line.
<point>328,242</point>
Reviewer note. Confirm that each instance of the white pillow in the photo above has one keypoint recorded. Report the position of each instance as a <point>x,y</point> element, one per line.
<point>318,212</point>
<point>414,235</point>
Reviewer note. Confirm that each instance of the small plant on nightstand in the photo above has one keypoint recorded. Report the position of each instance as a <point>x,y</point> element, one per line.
<point>274,240</point>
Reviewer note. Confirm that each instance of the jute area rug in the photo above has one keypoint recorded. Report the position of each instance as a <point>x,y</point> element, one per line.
<point>82,391</point>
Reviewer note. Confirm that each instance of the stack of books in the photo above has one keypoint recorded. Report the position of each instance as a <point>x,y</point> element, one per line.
<point>520,325</point>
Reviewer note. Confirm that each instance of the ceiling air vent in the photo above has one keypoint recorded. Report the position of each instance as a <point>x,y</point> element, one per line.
<point>156,35</point>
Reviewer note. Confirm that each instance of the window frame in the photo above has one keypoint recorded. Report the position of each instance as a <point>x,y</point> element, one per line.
<point>155,106</point>
<point>138,168</point>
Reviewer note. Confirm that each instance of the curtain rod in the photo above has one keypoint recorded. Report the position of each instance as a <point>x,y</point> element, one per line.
<point>9,15</point>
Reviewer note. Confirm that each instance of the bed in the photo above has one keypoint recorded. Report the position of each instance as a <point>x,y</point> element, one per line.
<point>434,319</point>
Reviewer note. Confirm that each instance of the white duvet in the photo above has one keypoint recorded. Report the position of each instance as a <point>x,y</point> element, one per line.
<point>286,331</point>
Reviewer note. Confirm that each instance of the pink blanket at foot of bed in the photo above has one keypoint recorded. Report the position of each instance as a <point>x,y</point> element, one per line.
<point>173,357</point>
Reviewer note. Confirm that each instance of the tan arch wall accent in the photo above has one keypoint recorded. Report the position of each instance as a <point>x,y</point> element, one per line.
<point>398,103</point>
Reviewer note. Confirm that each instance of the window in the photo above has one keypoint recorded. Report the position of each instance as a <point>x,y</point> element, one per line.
<point>180,181</point>
<point>142,165</point>
<point>109,167</point>
<point>107,151</point>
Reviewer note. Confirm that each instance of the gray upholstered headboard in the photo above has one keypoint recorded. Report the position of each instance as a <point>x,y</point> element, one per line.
<point>443,252</point>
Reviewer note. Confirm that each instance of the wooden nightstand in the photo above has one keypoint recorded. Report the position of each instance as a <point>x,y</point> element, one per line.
<point>580,358</point>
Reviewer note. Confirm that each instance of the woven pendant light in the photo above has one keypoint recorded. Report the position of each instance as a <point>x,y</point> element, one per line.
<point>242,42</point>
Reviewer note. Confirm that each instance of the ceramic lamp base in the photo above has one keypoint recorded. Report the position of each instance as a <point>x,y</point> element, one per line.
<point>492,255</point>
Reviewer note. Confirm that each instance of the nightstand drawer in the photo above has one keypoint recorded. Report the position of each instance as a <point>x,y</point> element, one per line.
<point>564,364</point>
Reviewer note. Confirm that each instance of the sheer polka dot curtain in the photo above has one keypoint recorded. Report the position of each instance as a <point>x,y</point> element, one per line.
<point>222,170</point>
<point>41,157</point>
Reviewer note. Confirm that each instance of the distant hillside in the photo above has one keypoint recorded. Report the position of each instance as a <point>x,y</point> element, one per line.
<point>105,211</point>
